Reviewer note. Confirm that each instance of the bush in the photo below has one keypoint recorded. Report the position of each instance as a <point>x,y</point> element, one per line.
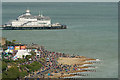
<point>33,53</point>
<point>4,65</point>
<point>23,73</point>
<point>13,72</point>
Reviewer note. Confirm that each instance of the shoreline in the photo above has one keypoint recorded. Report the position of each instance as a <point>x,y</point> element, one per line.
<point>79,67</point>
<point>54,64</point>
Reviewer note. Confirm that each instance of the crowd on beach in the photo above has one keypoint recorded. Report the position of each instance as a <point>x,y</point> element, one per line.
<point>50,64</point>
<point>51,67</point>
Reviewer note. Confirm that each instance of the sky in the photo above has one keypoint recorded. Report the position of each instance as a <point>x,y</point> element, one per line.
<point>60,0</point>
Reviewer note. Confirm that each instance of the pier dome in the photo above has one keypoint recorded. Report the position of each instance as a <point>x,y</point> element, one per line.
<point>28,12</point>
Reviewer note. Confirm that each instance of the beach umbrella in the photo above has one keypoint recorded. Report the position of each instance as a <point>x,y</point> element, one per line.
<point>47,58</point>
<point>48,74</point>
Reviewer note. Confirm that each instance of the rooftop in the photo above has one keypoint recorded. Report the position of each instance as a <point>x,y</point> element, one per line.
<point>27,15</point>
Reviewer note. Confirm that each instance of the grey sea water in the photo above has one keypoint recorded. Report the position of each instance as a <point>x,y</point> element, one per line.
<point>92,31</point>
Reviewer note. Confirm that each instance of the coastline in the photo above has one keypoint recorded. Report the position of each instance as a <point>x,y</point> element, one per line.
<point>79,68</point>
<point>41,63</point>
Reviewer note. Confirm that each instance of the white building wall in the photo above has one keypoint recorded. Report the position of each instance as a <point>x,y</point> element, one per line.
<point>33,22</point>
<point>47,22</point>
<point>39,23</point>
<point>17,23</point>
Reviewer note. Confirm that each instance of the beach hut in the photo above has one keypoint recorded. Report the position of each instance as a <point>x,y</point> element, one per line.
<point>23,47</point>
<point>17,47</point>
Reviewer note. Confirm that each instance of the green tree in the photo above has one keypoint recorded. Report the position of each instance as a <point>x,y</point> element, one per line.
<point>4,65</point>
<point>13,41</point>
<point>28,57</point>
<point>12,72</point>
<point>33,53</point>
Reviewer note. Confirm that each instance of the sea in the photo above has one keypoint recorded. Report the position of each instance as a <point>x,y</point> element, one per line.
<point>92,30</point>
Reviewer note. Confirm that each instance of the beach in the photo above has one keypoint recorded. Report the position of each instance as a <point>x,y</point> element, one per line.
<point>72,61</point>
<point>75,66</point>
<point>61,65</point>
